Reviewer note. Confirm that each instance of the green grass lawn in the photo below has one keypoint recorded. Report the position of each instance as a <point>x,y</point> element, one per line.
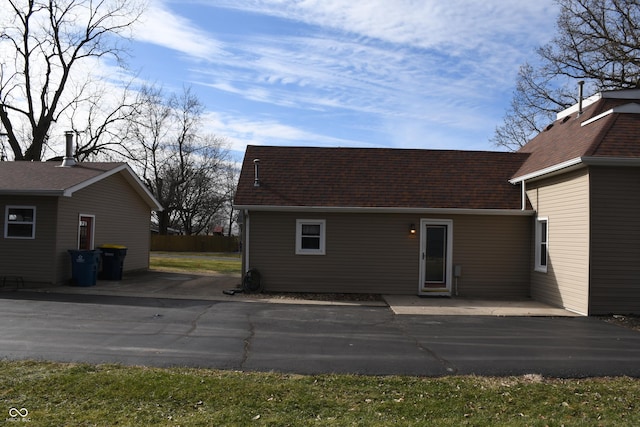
<point>200,263</point>
<point>107,395</point>
<point>57,394</point>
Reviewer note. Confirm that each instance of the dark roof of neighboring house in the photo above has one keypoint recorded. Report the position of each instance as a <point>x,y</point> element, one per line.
<point>379,178</point>
<point>49,179</point>
<point>616,133</point>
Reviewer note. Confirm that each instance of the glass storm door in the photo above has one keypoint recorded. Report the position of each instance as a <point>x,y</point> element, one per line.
<point>435,250</point>
<point>436,258</point>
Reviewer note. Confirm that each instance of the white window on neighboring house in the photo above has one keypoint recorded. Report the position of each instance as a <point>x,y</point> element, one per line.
<point>310,237</point>
<point>20,222</point>
<point>542,244</point>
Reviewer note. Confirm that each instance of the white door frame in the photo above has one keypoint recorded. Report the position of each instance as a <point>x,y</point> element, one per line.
<point>91,231</point>
<point>445,290</point>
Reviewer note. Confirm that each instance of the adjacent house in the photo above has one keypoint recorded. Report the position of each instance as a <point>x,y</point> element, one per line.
<point>48,208</point>
<point>556,221</point>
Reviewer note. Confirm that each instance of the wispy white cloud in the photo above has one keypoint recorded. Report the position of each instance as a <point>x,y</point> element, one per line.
<point>241,131</point>
<point>158,25</point>
<point>418,23</point>
<point>403,68</point>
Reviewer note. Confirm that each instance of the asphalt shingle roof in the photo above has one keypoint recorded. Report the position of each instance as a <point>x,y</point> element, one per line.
<point>48,176</point>
<point>614,135</point>
<point>49,179</point>
<point>380,178</point>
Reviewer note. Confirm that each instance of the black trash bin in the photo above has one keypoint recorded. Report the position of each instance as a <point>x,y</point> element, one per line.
<point>84,267</point>
<point>112,261</point>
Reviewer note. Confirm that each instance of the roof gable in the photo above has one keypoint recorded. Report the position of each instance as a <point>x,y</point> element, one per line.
<point>49,179</point>
<point>378,178</point>
<point>609,127</point>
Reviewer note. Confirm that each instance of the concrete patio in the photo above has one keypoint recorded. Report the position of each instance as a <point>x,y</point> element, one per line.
<point>171,285</point>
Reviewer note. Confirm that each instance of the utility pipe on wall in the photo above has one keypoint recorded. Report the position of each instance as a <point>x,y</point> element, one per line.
<point>245,247</point>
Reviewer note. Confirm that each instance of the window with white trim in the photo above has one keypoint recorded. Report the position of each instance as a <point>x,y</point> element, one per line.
<point>20,222</point>
<point>542,244</point>
<point>310,236</point>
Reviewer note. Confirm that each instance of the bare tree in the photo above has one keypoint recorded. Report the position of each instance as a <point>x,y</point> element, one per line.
<point>150,130</point>
<point>183,167</point>
<point>229,216</point>
<point>102,123</point>
<point>43,44</point>
<point>597,41</point>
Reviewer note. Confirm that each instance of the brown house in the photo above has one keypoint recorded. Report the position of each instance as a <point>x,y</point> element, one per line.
<point>48,209</point>
<point>555,221</point>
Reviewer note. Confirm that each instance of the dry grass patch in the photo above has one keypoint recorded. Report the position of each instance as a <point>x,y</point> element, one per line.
<point>106,395</point>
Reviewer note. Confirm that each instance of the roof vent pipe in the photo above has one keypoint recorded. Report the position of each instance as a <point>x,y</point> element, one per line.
<point>68,159</point>
<point>580,96</point>
<point>256,169</point>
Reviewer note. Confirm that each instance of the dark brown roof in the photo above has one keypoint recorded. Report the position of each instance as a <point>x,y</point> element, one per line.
<point>48,176</point>
<point>613,135</point>
<point>380,178</point>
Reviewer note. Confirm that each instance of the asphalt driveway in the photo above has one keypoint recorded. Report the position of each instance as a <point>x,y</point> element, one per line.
<point>306,339</point>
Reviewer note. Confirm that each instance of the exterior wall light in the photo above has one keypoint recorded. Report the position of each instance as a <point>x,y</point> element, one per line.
<point>412,229</point>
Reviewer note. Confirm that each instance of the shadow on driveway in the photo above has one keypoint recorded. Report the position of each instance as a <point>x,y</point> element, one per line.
<point>149,288</point>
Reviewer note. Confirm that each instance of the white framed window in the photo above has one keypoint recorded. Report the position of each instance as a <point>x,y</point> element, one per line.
<point>20,222</point>
<point>310,236</point>
<point>542,244</point>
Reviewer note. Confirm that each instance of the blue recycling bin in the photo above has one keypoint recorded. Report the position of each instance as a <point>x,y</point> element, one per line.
<point>84,267</point>
<point>112,261</point>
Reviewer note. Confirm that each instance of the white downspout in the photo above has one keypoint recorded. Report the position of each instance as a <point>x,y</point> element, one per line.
<point>246,240</point>
<point>524,195</point>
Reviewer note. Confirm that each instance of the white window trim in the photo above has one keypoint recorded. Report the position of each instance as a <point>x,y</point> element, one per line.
<point>6,222</point>
<point>321,250</point>
<point>538,267</point>
<point>93,229</point>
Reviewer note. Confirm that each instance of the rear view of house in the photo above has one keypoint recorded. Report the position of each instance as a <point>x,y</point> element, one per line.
<point>425,222</point>
<point>556,221</point>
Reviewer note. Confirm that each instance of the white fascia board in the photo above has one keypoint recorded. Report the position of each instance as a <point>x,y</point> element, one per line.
<point>550,171</point>
<point>355,209</point>
<point>574,108</point>
<point>68,192</point>
<point>130,176</point>
<point>631,108</point>
<point>610,94</point>
<point>143,190</point>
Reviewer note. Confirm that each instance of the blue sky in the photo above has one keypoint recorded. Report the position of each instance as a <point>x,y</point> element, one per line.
<point>359,73</point>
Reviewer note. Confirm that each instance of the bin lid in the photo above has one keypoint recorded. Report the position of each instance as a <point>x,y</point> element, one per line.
<point>109,246</point>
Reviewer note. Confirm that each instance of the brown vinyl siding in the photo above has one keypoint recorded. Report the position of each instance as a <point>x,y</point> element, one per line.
<point>615,245</point>
<point>494,254</point>
<point>564,200</point>
<point>121,218</point>
<point>374,253</point>
<point>30,259</point>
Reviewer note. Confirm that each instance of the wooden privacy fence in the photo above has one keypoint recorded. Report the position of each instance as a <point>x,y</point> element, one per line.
<point>194,243</point>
